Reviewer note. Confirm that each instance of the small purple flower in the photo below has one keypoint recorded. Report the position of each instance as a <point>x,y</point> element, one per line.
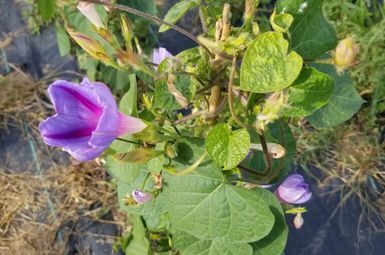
<point>159,55</point>
<point>87,119</point>
<point>293,190</point>
<point>141,197</point>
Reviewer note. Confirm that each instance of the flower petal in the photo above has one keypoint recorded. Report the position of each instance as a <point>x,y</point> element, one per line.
<point>66,131</point>
<point>102,91</point>
<point>290,195</point>
<point>107,128</point>
<point>306,197</point>
<point>71,99</point>
<point>159,55</point>
<point>85,152</point>
<point>130,125</point>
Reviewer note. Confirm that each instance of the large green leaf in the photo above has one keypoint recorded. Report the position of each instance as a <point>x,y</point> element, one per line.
<point>190,245</point>
<point>311,34</point>
<point>184,83</point>
<point>226,147</point>
<point>177,12</point>
<point>309,92</point>
<point>267,66</point>
<point>344,103</point>
<point>275,242</point>
<point>205,206</point>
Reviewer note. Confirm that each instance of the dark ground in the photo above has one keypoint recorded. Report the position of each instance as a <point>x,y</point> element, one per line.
<point>320,235</point>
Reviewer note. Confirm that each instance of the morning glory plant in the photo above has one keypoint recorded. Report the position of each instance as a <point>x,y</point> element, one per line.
<point>199,136</point>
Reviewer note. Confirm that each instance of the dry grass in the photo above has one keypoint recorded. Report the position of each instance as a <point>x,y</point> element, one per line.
<point>20,93</point>
<point>33,209</point>
<point>351,158</point>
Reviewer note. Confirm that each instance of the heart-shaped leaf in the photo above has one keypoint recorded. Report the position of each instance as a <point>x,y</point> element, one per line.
<point>227,148</point>
<point>205,206</point>
<point>267,66</point>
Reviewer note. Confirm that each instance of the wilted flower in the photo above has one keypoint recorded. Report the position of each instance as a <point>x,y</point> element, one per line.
<point>298,221</point>
<point>345,53</point>
<point>141,197</point>
<point>293,190</point>
<point>87,119</point>
<point>89,11</point>
<point>159,55</point>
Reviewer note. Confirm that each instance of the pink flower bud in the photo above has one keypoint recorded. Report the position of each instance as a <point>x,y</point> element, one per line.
<point>141,197</point>
<point>298,221</point>
<point>89,11</point>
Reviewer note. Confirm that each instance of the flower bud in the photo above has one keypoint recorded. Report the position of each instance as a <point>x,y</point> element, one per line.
<point>345,53</point>
<point>126,30</point>
<point>89,11</point>
<point>141,197</point>
<point>92,47</point>
<point>298,221</point>
<point>293,190</point>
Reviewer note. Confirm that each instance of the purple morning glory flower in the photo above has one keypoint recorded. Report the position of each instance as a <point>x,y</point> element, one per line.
<point>293,190</point>
<point>159,55</point>
<point>141,197</point>
<point>87,119</point>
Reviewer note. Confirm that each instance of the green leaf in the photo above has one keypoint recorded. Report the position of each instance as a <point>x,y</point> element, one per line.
<point>183,83</point>
<point>275,242</point>
<point>203,205</point>
<point>122,171</point>
<point>176,13</point>
<point>63,41</point>
<point>139,244</point>
<point>311,34</point>
<point>227,148</point>
<point>309,92</point>
<point>117,80</point>
<point>190,245</point>
<point>266,66</point>
<point>47,9</point>
<point>281,22</point>
<point>129,100</point>
<point>344,102</point>
<point>289,6</point>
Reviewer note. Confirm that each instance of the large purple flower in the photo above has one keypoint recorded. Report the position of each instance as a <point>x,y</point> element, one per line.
<point>293,190</point>
<point>87,119</point>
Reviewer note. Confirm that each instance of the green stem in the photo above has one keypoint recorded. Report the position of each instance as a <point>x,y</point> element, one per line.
<point>230,93</point>
<point>193,166</point>
<point>127,141</point>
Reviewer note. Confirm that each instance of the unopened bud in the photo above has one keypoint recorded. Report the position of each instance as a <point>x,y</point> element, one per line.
<point>298,221</point>
<point>346,53</point>
<point>89,11</point>
<point>91,46</point>
<point>275,150</point>
<point>126,27</point>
